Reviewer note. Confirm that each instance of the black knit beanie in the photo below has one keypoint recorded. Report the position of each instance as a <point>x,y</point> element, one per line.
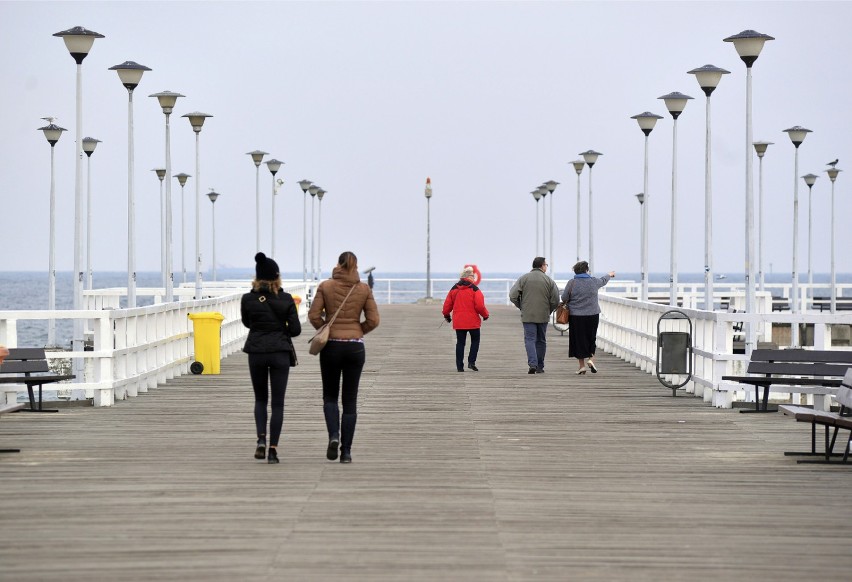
<point>265,268</point>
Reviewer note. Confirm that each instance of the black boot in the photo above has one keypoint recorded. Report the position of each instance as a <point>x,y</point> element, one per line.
<point>346,436</point>
<point>332,423</point>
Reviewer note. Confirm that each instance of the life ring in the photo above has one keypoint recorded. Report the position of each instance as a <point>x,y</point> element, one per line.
<point>477,274</point>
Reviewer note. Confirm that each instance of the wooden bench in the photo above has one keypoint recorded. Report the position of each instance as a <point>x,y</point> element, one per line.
<point>28,366</point>
<point>795,371</point>
<point>828,420</point>
<point>10,408</point>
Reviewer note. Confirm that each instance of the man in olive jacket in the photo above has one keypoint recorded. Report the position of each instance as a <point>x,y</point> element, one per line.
<point>537,296</point>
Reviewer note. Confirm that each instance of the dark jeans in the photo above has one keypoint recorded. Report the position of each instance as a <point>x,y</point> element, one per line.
<point>535,342</point>
<point>461,338</point>
<point>270,369</point>
<point>341,360</point>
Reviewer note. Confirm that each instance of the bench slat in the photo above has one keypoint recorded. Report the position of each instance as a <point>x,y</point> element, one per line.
<point>25,354</point>
<point>23,367</point>
<point>809,356</point>
<point>798,369</point>
<point>34,380</point>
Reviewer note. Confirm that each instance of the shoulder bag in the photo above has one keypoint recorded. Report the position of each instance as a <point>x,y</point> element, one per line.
<point>317,343</point>
<point>562,312</point>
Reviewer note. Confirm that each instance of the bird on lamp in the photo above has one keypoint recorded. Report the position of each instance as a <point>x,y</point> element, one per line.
<point>834,163</point>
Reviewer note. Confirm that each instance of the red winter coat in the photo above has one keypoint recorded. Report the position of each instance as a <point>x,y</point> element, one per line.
<point>466,303</point>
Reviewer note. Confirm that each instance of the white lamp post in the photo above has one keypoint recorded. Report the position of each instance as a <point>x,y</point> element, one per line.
<point>543,191</point>
<point>551,186</point>
<point>130,74</point>
<point>196,120</point>
<point>748,45</point>
<point>590,157</point>
<point>181,178</point>
<point>675,103</point>
<point>797,136</point>
<point>304,185</point>
<point>646,121</point>
<point>52,133</point>
<point>428,194</point>
<point>578,167</point>
<point>832,175</point>
<point>213,195</point>
<point>79,42</point>
<point>313,192</point>
<point>760,150</point>
<point>537,195</point>
<point>810,180</point>
<point>641,198</point>
<point>257,158</point>
<point>273,165</point>
<point>167,100</point>
<point>708,78</point>
<point>161,174</point>
<point>89,145</point>
<point>320,194</point>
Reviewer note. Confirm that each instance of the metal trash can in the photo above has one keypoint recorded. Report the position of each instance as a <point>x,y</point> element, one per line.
<point>206,335</point>
<point>674,348</point>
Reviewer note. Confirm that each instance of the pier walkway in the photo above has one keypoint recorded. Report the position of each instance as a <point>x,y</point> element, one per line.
<point>496,475</point>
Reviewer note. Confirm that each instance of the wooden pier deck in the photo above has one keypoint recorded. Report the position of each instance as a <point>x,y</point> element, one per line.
<point>496,475</point>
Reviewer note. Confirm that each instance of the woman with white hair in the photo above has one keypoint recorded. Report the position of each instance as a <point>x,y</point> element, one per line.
<point>463,307</point>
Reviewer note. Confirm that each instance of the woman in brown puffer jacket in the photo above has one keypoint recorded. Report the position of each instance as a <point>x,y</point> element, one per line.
<point>344,354</point>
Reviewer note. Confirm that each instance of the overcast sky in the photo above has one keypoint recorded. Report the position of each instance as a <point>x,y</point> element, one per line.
<point>489,99</point>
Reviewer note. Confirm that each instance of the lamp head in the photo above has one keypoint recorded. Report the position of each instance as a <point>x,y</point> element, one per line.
<point>551,185</point>
<point>590,157</point>
<point>749,43</point>
<point>428,191</point>
<point>79,41</point>
<point>167,100</point>
<point>130,73</point>
<point>578,166</point>
<point>797,134</point>
<point>182,178</point>
<point>810,179</point>
<point>675,103</point>
<point>52,133</point>
<point>647,121</point>
<point>161,173</point>
<point>212,195</point>
<point>304,185</point>
<point>832,173</point>
<point>274,165</point>
<point>196,120</point>
<point>760,147</point>
<point>257,157</point>
<point>320,194</point>
<point>536,194</point>
<point>313,189</point>
<point>708,77</point>
<point>641,197</point>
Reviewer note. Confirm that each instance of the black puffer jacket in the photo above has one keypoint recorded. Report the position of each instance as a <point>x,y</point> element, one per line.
<point>271,320</point>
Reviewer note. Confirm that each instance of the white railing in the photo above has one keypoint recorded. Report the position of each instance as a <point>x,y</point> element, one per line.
<point>629,330</point>
<point>133,350</point>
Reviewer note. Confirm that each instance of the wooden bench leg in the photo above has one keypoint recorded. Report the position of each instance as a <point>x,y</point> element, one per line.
<point>32,407</point>
<point>813,452</point>
<point>757,400</point>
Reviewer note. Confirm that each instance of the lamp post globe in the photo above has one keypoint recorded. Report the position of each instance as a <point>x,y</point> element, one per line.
<point>181,178</point>
<point>196,120</point>
<point>797,135</point>
<point>167,100</point>
<point>832,175</point>
<point>647,121</point>
<point>273,166</point>
<point>748,45</point>
<point>52,133</point>
<point>257,158</point>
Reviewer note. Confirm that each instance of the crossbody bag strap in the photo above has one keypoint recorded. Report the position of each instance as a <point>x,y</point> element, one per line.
<point>265,300</point>
<point>333,317</point>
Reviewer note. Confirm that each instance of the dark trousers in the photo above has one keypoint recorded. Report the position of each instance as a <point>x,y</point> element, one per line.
<point>270,369</point>
<point>535,342</point>
<point>461,338</point>
<point>341,361</point>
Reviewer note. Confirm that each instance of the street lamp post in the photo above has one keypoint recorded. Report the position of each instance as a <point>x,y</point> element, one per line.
<point>748,45</point>
<point>428,241</point>
<point>675,103</point>
<point>213,195</point>
<point>78,41</point>
<point>130,74</point>
<point>590,157</point>
<point>810,180</point>
<point>543,191</point>
<point>646,121</point>
<point>832,175</point>
<point>182,181</point>
<point>797,136</point>
<point>708,78</point>
<point>551,186</point>
<point>257,158</point>
<point>196,120</point>
<point>320,194</point>
<point>641,198</point>
<point>52,133</point>
<point>273,165</point>
<point>578,167</point>
<point>167,100</point>
<point>304,185</point>
<point>161,174</point>
<point>537,195</point>
<point>760,149</point>
<point>313,192</point>
<point>89,145</point>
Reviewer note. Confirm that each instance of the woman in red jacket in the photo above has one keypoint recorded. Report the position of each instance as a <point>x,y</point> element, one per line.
<point>466,304</point>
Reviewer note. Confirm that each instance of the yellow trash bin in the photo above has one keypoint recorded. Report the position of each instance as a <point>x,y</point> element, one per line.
<point>207,332</point>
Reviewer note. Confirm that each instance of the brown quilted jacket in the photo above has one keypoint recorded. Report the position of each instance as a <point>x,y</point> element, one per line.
<point>331,293</point>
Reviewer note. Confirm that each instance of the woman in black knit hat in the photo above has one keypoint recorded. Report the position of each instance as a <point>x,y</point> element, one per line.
<point>272,319</point>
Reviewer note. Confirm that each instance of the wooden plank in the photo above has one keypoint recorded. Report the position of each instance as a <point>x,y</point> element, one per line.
<point>496,475</point>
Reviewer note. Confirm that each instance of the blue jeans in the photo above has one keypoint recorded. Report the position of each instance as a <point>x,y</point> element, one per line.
<point>535,342</point>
